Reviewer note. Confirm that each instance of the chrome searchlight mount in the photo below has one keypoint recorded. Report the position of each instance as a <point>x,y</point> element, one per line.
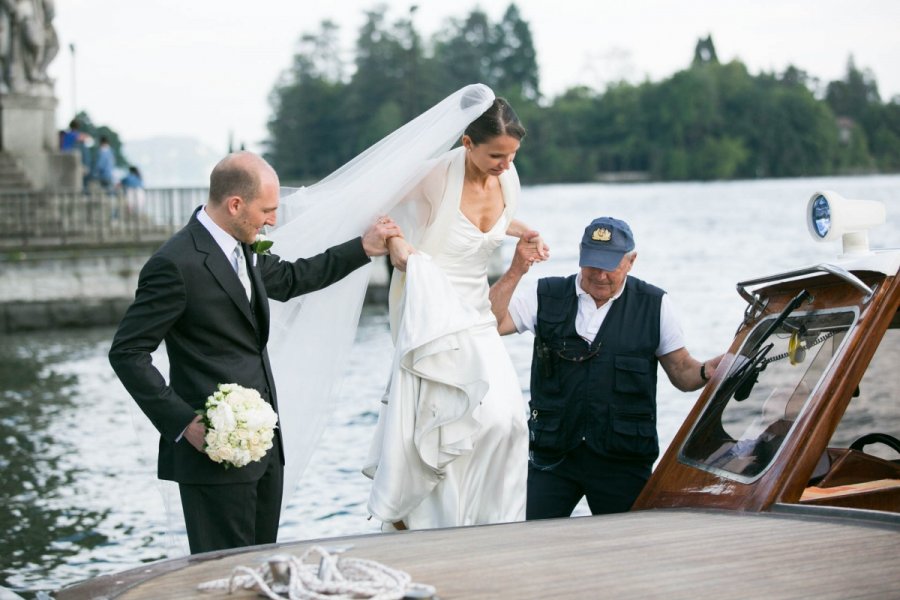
<point>830,217</point>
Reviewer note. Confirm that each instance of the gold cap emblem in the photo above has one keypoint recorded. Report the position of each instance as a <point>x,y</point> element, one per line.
<point>601,235</point>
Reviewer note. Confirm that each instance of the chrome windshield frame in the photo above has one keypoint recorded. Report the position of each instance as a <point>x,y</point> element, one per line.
<point>839,272</point>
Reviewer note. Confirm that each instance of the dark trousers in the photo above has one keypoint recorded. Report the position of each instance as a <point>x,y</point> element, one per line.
<point>234,515</point>
<point>610,484</point>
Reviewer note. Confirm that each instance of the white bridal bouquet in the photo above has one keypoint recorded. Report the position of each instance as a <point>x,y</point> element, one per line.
<point>240,425</point>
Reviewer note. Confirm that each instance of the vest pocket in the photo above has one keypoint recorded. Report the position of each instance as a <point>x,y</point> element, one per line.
<point>631,434</point>
<point>545,431</point>
<point>631,375</point>
<point>545,370</point>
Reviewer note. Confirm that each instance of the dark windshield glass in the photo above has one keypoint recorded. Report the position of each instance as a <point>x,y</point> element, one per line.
<point>751,413</point>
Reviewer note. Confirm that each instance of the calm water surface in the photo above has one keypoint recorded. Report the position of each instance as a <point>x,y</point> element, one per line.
<point>79,493</point>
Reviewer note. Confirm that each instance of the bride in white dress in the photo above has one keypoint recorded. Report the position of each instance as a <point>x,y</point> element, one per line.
<point>310,336</point>
<point>452,441</point>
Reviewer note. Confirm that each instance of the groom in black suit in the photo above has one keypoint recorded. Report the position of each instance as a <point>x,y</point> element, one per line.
<point>216,328</point>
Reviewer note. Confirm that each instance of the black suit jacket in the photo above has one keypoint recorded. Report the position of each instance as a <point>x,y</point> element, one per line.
<point>189,295</point>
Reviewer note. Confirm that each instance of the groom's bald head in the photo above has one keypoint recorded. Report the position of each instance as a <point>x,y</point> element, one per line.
<point>239,174</point>
<point>243,195</point>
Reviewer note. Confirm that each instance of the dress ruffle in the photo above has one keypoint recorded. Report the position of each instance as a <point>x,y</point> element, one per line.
<point>437,383</point>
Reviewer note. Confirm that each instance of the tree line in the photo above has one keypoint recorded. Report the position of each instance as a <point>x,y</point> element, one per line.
<point>708,121</point>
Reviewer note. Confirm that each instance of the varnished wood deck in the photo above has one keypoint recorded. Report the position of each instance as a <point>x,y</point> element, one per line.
<point>648,554</point>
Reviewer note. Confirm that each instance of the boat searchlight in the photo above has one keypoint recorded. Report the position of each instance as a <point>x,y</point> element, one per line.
<point>831,216</point>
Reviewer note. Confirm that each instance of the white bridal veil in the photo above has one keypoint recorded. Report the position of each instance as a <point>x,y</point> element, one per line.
<point>310,336</point>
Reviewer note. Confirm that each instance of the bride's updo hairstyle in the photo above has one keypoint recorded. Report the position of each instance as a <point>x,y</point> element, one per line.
<point>499,119</point>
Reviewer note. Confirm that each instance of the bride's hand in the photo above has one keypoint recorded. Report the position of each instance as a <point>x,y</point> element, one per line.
<point>543,250</point>
<point>528,252</point>
<point>538,248</point>
<point>399,250</point>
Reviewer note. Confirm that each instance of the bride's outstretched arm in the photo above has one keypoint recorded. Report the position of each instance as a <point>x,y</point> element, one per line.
<point>399,250</point>
<point>518,229</point>
<point>502,291</point>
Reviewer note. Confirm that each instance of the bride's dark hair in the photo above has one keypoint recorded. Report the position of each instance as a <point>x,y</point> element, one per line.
<point>498,119</point>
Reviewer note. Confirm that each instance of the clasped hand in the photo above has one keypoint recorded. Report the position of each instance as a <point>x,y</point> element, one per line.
<point>530,249</point>
<point>375,238</point>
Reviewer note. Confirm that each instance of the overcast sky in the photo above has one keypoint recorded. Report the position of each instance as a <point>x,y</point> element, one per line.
<point>204,68</point>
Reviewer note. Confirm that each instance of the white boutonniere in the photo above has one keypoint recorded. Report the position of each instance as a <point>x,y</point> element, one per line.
<point>262,244</point>
<point>240,425</point>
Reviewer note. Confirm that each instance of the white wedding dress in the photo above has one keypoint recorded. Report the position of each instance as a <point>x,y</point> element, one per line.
<point>451,446</point>
<point>465,462</point>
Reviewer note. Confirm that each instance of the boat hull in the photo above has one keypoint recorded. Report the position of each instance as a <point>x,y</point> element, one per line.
<point>672,553</point>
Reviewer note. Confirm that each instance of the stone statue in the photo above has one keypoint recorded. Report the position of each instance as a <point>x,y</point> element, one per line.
<point>28,44</point>
<point>7,22</point>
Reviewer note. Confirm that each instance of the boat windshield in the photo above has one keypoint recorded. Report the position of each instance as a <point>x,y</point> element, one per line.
<point>755,406</point>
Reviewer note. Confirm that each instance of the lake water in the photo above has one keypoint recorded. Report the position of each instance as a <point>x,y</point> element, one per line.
<point>79,492</point>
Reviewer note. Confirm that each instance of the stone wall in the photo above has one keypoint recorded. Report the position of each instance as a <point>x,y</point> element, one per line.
<point>28,133</point>
<point>61,289</point>
<point>68,288</point>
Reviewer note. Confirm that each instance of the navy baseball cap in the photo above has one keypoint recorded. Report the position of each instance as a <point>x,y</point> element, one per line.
<point>604,243</point>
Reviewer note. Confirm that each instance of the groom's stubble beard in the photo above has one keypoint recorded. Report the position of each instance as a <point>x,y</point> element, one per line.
<point>248,222</point>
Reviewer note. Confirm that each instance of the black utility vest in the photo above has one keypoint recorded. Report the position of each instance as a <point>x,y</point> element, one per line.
<point>605,392</point>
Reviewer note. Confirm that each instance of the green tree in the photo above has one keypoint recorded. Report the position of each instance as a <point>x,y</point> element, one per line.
<point>883,124</point>
<point>856,102</point>
<point>619,130</point>
<point>562,140</point>
<point>391,69</point>
<point>514,69</point>
<point>708,121</point>
<point>800,134</point>
<point>463,51</point>
<point>306,117</point>
<point>852,96</point>
<point>500,55</point>
<point>718,158</point>
<point>684,113</point>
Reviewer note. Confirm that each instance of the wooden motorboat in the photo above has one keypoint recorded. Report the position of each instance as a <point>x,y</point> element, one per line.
<point>784,480</point>
<point>812,382</point>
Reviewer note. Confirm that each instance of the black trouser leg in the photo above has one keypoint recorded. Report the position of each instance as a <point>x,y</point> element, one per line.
<point>234,515</point>
<point>552,493</point>
<point>219,516</point>
<point>610,484</point>
<point>269,492</point>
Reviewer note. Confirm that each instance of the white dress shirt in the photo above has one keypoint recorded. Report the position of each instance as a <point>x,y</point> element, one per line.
<point>223,239</point>
<point>524,306</point>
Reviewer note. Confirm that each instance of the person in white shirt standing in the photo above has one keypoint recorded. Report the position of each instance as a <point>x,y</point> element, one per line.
<point>599,336</point>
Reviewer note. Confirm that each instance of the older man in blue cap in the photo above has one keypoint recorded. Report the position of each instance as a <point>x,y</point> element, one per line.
<point>599,335</point>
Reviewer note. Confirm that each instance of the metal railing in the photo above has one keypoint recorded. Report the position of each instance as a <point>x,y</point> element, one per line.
<point>38,220</point>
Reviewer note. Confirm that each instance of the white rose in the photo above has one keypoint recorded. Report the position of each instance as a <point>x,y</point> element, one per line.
<point>257,419</point>
<point>222,417</point>
<point>240,457</point>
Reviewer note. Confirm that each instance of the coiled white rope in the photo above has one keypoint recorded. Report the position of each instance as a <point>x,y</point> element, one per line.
<point>286,577</point>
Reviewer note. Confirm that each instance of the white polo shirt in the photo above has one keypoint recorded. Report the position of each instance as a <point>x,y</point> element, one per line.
<point>523,309</point>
